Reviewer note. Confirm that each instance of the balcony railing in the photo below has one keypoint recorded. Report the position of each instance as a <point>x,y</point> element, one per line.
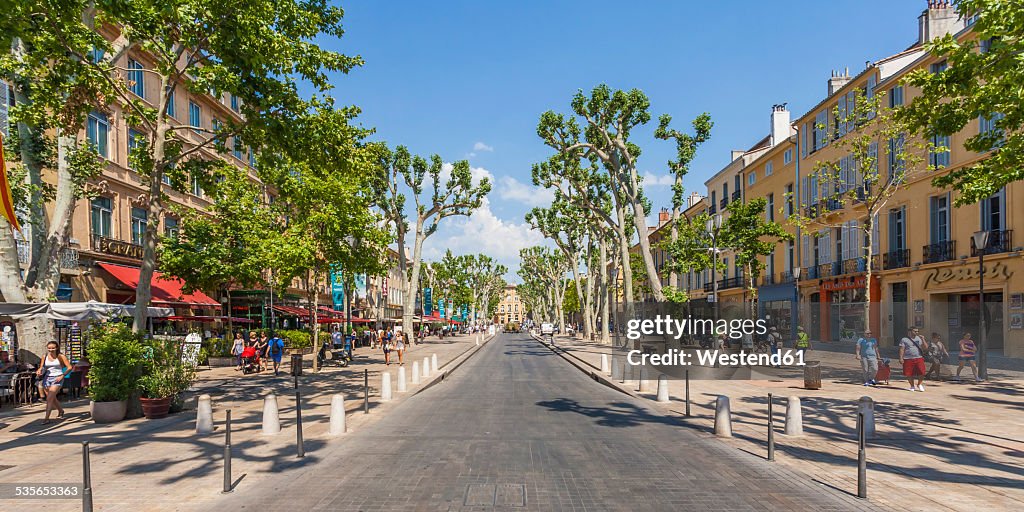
<point>854,265</point>
<point>896,259</point>
<point>785,277</point>
<point>67,258</point>
<point>769,280</point>
<point>998,241</point>
<point>731,282</point>
<point>811,211</point>
<point>810,272</point>
<point>736,195</point>
<point>713,209</point>
<point>941,251</point>
<point>827,270</point>
<point>724,202</point>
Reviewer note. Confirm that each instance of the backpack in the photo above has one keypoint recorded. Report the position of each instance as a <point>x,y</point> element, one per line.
<point>275,346</point>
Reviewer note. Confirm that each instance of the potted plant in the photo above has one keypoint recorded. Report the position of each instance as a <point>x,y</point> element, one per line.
<point>116,354</point>
<point>218,352</point>
<point>166,377</point>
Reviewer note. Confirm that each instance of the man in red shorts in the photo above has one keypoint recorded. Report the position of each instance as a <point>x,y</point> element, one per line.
<point>912,349</point>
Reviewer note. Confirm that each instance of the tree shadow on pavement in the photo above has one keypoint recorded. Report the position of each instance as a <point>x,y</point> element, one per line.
<point>615,414</point>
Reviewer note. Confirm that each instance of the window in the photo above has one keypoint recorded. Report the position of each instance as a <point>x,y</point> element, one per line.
<point>170,227</point>
<point>938,67</point>
<point>195,115</point>
<point>136,78</point>
<point>787,157</point>
<point>234,103</point>
<point>819,139</point>
<point>96,55</point>
<point>987,127</point>
<point>896,161</point>
<point>138,225</point>
<point>98,132</point>
<point>215,125</point>
<point>238,148</point>
<point>897,229</point>
<point>5,95</point>
<point>993,211</point>
<point>789,200</point>
<point>252,158</point>
<point>789,256</point>
<point>135,139</point>
<point>939,209</point>
<point>170,104</point>
<point>938,154</point>
<point>896,96</point>
<point>751,178</point>
<point>769,168</point>
<point>197,188</point>
<point>770,208</point>
<point>101,213</point>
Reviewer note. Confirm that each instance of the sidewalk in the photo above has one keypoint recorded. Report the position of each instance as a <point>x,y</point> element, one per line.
<point>163,464</point>
<point>957,446</point>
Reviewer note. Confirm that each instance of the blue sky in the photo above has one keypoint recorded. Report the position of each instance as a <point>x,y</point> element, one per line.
<point>470,80</point>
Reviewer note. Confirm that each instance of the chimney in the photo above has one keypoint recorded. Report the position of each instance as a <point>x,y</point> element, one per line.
<point>663,216</point>
<point>939,19</point>
<point>736,153</point>
<point>780,124</point>
<point>695,198</point>
<point>837,81</point>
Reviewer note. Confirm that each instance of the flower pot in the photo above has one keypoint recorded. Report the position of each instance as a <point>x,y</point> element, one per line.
<point>108,412</point>
<point>154,408</point>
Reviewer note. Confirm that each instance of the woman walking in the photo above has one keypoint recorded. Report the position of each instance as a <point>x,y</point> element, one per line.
<point>237,348</point>
<point>400,341</point>
<point>386,346</point>
<point>937,353</point>
<point>261,351</point>
<point>51,371</point>
<point>968,351</point>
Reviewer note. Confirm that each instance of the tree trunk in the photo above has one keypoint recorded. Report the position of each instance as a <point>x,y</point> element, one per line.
<point>315,315</point>
<point>627,271</point>
<point>868,250</point>
<point>645,250</point>
<point>673,277</point>
<point>408,309</point>
<point>604,293</point>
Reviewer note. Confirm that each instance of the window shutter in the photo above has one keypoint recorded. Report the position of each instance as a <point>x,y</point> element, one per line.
<point>875,233</point>
<point>805,256</point>
<point>4,123</point>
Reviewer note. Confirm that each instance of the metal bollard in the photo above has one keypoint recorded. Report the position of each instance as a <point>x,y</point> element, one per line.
<point>298,422</point>
<point>366,391</point>
<point>687,393</point>
<point>862,461</point>
<point>86,479</point>
<point>771,431</point>
<point>227,454</point>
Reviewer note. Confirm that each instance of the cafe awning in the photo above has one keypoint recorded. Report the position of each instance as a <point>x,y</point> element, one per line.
<point>166,289</point>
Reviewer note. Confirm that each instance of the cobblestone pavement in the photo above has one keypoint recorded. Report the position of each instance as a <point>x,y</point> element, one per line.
<point>163,465</point>
<point>517,428</point>
<point>958,446</point>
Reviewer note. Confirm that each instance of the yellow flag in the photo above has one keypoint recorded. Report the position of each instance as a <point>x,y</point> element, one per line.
<point>5,190</point>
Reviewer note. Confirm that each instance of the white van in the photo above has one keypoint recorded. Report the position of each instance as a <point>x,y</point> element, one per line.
<point>547,329</point>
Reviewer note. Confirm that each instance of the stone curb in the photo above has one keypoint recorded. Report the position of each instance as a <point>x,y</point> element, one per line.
<point>457,361</point>
<point>579,364</point>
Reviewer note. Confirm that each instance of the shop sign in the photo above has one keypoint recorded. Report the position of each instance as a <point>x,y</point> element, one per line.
<point>843,284</point>
<point>119,248</point>
<point>941,276</point>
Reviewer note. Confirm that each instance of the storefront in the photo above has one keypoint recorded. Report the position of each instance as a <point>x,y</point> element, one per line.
<point>843,303</point>
<point>777,305</point>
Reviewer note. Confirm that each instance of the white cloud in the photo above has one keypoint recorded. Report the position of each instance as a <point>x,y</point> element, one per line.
<point>477,173</point>
<point>653,180</point>
<point>511,189</point>
<point>482,232</point>
<point>480,146</point>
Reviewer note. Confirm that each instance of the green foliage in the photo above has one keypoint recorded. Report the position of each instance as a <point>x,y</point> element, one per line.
<point>116,355</point>
<point>977,84</point>
<point>296,338</point>
<point>166,374</point>
<point>571,302</point>
<point>750,236</point>
<point>218,347</point>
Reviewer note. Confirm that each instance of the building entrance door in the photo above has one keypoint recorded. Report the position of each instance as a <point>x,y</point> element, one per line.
<point>898,313</point>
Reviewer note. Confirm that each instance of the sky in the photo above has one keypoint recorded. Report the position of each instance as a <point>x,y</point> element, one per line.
<point>469,80</point>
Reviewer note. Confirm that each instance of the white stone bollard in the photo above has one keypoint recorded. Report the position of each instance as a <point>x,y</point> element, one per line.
<point>271,419</point>
<point>642,378</point>
<point>426,367</point>
<point>477,337</point>
<point>415,372</point>
<point>723,417</point>
<point>385,386</point>
<point>794,417</point>
<point>337,415</point>
<point>604,363</point>
<point>867,406</point>
<point>401,380</point>
<point>204,415</point>
<point>663,389</point>
<point>433,362</point>
<point>616,370</point>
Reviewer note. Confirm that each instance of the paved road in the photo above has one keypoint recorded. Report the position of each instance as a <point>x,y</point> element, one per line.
<point>517,428</point>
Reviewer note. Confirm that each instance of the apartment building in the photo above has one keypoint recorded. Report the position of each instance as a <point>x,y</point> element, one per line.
<point>511,308</point>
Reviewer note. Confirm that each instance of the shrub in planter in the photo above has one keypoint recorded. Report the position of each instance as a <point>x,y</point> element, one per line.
<point>296,339</point>
<point>166,377</point>
<point>117,360</point>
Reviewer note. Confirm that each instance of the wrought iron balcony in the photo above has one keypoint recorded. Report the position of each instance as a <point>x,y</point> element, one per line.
<point>67,258</point>
<point>896,259</point>
<point>736,195</point>
<point>854,265</point>
<point>785,277</point>
<point>810,272</point>
<point>941,251</point>
<point>731,282</point>
<point>769,280</point>
<point>724,202</point>
<point>827,270</point>
<point>998,241</point>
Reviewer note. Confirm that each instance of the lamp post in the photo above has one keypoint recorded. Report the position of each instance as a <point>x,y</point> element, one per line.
<point>980,244</point>
<point>713,225</point>
<point>796,314</point>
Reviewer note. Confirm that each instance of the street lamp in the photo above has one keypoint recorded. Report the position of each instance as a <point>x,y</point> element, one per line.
<point>980,244</point>
<point>796,315</point>
<point>713,225</point>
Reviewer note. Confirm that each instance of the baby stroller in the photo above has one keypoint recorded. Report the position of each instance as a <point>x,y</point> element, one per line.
<point>883,372</point>
<point>250,360</point>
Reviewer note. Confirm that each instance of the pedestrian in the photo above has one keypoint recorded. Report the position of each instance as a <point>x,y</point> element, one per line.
<point>236,349</point>
<point>386,346</point>
<point>261,351</point>
<point>774,344</point>
<point>937,353</point>
<point>52,370</point>
<point>968,352</point>
<point>803,340</point>
<point>400,342</point>
<point>912,350</point>
<point>336,339</point>
<point>869,356</point>
<point>275,350</point>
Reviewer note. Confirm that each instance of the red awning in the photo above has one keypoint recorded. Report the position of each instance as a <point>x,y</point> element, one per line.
<point>166,289</point>
<point>292,310</point>
<point>203,318</point>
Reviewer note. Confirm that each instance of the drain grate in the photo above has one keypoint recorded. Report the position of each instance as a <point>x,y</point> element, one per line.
<point>495,495</point>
